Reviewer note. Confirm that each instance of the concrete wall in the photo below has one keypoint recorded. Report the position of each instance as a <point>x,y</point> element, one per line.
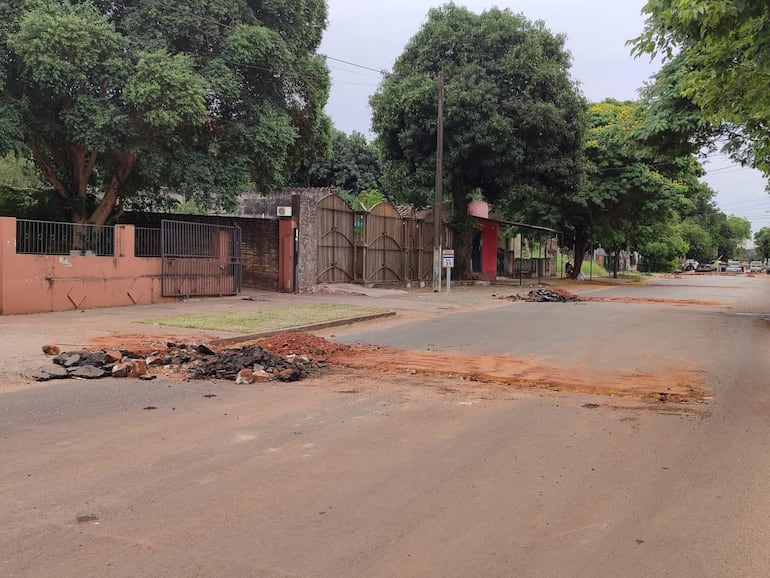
<point>40,283</point>
<point>307,242</point>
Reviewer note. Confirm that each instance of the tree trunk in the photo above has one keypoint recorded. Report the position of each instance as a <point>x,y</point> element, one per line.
<point>462,235</point>
<point>581,241</point>
<point>69,170</point>
<point>616,261</point>
<point>105,208</point>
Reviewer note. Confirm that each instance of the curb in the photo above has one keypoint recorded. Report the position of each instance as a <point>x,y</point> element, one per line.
<point>308,327</point>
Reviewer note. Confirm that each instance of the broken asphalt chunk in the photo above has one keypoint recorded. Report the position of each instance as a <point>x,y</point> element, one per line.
<point>87,372</point>
<point>50,373</point>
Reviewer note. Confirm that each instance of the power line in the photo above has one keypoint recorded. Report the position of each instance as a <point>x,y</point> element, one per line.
<point>335,81</point>
<point>728,170</point>
<point>748,203</point>
<point>368,75</point>
<point>719,169</point>
<point>380,71</point>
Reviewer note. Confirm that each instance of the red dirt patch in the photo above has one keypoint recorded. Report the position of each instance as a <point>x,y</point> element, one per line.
<point>657,300</point>
<point>666,385</point>
<point>679,385</point>
<point>563,292</point>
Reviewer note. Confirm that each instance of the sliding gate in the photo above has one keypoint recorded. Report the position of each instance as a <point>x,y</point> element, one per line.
<point>200,260</point>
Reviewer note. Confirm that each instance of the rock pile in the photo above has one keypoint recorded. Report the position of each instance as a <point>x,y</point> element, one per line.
<point>248,364</point>
<point>546,296</point>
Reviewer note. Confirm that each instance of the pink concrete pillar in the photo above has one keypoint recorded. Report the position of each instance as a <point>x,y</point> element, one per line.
<point>125,241</point>
<point>7,252</point>
<point>478,209</point>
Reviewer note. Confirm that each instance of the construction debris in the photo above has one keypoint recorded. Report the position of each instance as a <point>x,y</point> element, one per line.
<point>248,364</point>
<point>546,296</point>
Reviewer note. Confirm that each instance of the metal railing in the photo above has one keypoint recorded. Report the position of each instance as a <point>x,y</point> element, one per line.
<point>50,238</point>
<point>146,242</point>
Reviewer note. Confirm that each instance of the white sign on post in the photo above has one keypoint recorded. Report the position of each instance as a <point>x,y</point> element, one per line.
<point>448,257</point>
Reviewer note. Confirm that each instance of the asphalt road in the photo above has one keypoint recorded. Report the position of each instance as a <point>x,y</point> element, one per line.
<point>357,475</point>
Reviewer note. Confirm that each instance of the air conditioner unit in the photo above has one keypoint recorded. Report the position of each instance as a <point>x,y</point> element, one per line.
<point>284,211</point>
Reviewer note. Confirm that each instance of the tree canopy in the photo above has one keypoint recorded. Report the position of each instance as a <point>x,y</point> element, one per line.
<point>352,165</point>
<point>512,118</point>
<point>115,97</point>
<point>740,229</point>
<point>721,50</point>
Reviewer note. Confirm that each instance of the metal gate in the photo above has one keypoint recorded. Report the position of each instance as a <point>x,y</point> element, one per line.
<point>199,259</point>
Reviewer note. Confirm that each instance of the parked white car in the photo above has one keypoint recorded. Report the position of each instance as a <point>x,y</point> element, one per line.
<point>733,267</point>
<point>755,266</point>
<point>690,265</point>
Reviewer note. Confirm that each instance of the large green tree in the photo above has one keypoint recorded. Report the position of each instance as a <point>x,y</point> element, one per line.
<point>639,178</point>
<point>762,242</point>
<point>628,199</point>
<point>513,117</point>
<point>721,50</point>
<point>113,97</point>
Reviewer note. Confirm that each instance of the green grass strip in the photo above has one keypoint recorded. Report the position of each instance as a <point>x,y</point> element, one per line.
<point>266,318</point>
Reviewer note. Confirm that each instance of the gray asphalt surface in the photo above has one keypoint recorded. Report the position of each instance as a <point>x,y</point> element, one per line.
<point>390,474</point>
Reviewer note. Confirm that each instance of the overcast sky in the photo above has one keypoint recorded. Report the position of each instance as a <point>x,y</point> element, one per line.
<point>373,34</point>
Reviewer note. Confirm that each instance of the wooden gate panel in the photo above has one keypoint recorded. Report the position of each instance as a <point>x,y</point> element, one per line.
<point>384,243</point>
<point>336,245</point>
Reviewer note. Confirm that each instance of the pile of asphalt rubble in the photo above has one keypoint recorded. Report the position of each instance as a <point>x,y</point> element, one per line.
<point>545,296</point>
<point>248,364</point>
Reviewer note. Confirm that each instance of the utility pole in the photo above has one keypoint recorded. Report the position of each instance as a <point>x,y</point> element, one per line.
<point>438,224</point>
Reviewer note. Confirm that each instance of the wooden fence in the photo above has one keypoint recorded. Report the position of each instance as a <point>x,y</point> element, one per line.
<point>381,245</point>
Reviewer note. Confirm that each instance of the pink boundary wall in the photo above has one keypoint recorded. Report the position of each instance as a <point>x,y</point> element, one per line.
<point>41,283</point>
